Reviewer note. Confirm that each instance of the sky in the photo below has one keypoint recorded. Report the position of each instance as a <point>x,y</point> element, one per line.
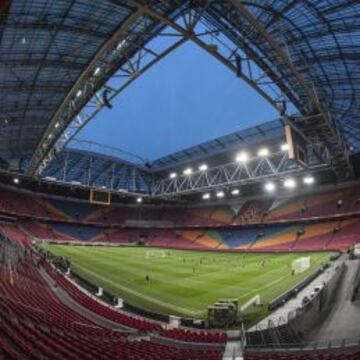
<point>186,99</point>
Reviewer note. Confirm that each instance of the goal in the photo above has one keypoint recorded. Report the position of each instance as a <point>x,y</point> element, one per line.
<point>301,264</point>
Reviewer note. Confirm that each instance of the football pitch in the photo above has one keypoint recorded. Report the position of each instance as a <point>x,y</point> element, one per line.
<point>185,283</point>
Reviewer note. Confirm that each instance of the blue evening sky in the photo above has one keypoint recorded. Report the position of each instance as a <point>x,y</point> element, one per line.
<point>187,98</point>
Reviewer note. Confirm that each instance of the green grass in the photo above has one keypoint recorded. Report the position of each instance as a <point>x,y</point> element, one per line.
<point>175,288</point>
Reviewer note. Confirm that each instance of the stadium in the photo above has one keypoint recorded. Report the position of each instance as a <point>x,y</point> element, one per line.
<point>233,245</point>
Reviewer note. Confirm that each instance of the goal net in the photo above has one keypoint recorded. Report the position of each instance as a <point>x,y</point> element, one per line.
<point>155,254</point>
<point>301,264</point>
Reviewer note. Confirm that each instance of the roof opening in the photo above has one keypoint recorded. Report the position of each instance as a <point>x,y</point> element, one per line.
<point>187,98</point>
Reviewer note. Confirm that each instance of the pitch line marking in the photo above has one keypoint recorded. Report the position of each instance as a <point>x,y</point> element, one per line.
<point>140,295</point>
<point>264,287</point>
<point>165,304</point>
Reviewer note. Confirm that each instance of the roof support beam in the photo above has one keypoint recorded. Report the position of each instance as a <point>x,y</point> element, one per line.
<point>46,143</point>
<point>131,72</point>
<point>327,127</point>
<point>257,169</point>
<point>212,50</point>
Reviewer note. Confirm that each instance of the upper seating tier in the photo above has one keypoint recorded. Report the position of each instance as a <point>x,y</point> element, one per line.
<point>334,202</point>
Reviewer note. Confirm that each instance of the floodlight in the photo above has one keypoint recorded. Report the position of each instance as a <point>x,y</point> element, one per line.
<point>235,192</point>
<point>270,187</point>
<point>188,171</point>
<point>203,167</point>
<point>220,194</point>
<point>16,180</point>
<point>139,200</point>
<point>206,196</point>
<point>308,180</point>
<point>263,152</point>
<point>57,125</point>
<point>97,70</point>
<point>290,183</point>
<point>242,157</point>
<point>79,93</point>
<point>121,44</point>
<point>173,175</point>
<point>284,147</point>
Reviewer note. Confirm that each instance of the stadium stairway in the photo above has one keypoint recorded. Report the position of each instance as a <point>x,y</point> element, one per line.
<point>234,349</point>
<point>344,317</point>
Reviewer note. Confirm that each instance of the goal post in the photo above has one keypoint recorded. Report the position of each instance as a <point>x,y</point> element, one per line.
<point>253,301</point>
<point>301,264</point>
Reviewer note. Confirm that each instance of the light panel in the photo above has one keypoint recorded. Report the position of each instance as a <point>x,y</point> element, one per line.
<point>290,183</point>
<point>206,196</point>
<point>308,180</point>
<point>242,157</point>
<point>263,152</point>
<point>270,187</point>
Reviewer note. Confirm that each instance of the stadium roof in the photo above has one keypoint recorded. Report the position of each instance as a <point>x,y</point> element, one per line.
<point>261,134</point>
<point>45,48</point>
<point>56,57</point>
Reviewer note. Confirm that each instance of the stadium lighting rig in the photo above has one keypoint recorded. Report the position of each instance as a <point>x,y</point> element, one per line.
<point>16,180</point>
<point>270,165</point>
<point>139,200</point>
<point>220,194</point>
